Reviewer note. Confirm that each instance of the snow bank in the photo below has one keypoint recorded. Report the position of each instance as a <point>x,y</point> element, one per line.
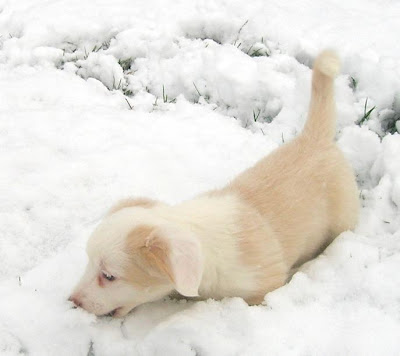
<point>101,100</point>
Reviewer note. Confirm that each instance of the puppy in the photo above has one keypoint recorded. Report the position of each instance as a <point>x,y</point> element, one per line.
<point>240,241</point>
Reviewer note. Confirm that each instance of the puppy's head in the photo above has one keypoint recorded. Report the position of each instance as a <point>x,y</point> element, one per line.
<point>135,256</point>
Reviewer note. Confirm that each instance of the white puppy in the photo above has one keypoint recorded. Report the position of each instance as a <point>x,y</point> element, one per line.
<point>243,240</point>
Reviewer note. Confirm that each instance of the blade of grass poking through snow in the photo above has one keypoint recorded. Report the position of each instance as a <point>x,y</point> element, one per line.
<point>198,92</point>
<point>238,34</point>
<point>165,97</point>
<point>366,113</point>
<point>353,83</point>
<point>256,53</point>
<point>256,116</point>
<point>129,104</point>
<point>125,64</point>
<point>127,91</point>
<point>262,49</point>
<point>91,350</point>
<point>392,127</point>
<point>119,85</point>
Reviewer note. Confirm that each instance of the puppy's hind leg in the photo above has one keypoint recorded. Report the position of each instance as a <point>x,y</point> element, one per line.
<point>344,201</point>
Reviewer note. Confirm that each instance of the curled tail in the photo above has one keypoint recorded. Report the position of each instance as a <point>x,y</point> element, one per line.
<point>321,122</point>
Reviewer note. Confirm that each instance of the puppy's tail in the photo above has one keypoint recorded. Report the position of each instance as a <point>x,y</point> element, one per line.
<point>321,122</point>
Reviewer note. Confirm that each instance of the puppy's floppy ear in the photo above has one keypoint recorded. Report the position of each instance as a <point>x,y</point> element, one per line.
<point>131,202</point>
<point>176,254</point>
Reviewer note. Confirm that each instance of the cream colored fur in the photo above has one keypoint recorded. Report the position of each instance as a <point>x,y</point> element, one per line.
<point>243,240</point>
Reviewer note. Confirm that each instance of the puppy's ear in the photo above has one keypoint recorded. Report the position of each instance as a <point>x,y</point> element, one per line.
<point>131,202</point>
<point>178,256</point>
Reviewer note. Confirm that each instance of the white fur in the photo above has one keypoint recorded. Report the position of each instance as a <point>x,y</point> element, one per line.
<point>243,240</point>
<point>209,224</point>
<point>214,220</point>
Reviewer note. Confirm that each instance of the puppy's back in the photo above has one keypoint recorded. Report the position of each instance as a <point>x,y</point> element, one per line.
<point>305,189</point>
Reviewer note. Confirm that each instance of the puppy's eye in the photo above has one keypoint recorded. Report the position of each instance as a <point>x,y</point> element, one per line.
<point>107,276</point>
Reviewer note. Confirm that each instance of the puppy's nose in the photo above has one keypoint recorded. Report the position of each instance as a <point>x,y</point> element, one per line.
<point>75,300</point>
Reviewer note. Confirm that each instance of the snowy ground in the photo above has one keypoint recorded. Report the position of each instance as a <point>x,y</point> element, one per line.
<point>214,86</point>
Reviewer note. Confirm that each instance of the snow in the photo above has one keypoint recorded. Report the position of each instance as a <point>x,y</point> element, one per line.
<point>214,86</point>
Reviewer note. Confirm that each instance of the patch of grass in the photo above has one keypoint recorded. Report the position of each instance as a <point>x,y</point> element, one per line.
<point>125,64</point>
<point>102,46</point>
<point>256,115</point>
<point>127,92</point>
<point>391,126</point>
<point>198,92</point>
<point>70,47</point>
<point>122,86</point>
<point>257,53</point>
<point>165,97</point>
<point>206,97</point>
<point>117,87</point>
<point>106,44</point>
<point>258,49</point>
<point>73,52</point>
<point>353,83</point>
<point>129,104</point>
<point>236,42</point>
<point>96,48</point>
<point>260,115</point>
<point>367,114</point>
<point>91,349</point>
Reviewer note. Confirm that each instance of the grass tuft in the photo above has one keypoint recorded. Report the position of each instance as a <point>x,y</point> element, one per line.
<point>367,114</point>
<point>127,92</point>
<point>256,115</point>
<point>238,34</point>
<point>129,104</point>
<point>353,83</point>
<point>125,64</point>
<point>205,97</point>
<point>117,87</point>
<point>198,92</point>
<point>258,49</point>
<point>391,126</point>
<point>165,97</point>
<point>91,349</point>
